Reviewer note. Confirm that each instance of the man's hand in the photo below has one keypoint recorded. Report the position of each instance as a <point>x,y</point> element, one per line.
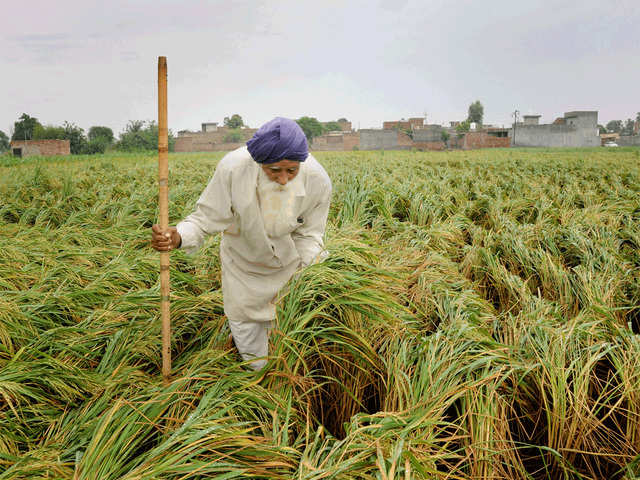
<point>165,241</point>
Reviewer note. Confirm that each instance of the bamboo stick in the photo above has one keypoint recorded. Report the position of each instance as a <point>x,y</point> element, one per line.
<point>163,203</point>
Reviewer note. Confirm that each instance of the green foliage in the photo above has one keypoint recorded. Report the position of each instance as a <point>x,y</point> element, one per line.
<point>614,126</point>
<point>76,137</point>
<point>627,129</point>
<point>476,112</point>
<point>444,136</point>
<point>331,127</point>
<point>234,136</point>
<point>463,127</point>
<point>235,121</point>
<point>407,131</point>
<point>104,133</point>
<point>140,135</point>
<point>97,145</point>
<point>601,129</point>
<point>4,142</point>
<point>23,128</point>
<point>69,131</point>
<point>311,127</point>
<point>49,132</point>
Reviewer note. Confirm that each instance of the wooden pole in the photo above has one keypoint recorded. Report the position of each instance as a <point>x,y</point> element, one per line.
<point>163,203</point>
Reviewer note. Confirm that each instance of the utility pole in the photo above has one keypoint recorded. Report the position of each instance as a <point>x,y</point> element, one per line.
<point>515,121</point>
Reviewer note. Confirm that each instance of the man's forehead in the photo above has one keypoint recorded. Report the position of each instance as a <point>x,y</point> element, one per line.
<point>284,164</point>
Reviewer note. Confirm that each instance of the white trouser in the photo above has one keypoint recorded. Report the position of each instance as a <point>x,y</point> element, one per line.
<point>249,297</point>
<point>252,340</point>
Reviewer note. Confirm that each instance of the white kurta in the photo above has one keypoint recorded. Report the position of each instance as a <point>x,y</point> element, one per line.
<point>255,265</point>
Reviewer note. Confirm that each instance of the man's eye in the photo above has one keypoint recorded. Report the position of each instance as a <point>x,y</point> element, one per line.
<point>292,170</point>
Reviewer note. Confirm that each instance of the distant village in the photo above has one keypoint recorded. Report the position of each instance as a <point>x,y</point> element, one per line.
<point>573,129</point>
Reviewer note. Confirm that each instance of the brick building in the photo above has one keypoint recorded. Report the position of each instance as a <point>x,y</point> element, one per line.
<point>213,138</point>
<point>343,141</point>
<point>484,139</point>
<point>27,148</point>
<point>414,123</point>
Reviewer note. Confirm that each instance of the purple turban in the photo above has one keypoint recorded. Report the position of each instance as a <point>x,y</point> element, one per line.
<point>278,139</point>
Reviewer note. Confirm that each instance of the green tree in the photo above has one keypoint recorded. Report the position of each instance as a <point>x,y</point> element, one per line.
<point>614,126</point>
<point>24,127</point>
<point>4,142</point>
<point>601,129</point>
<point>311,127</point>
<point>463,127</point>
<point>627,128</point>
<point>234,136</point>
<point>476,112</point>
<point>76,137</point>
<point>445,136</point>
<point>331,127</point>
<point>234,122</point>
<point>48,132</point>
<point>98,132</point>
<point>100,138</point>
<point>140,135</point>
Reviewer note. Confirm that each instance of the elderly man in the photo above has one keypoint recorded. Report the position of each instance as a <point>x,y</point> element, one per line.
<point>270,200</point>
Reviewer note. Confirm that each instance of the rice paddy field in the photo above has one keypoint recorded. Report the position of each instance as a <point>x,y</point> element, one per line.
<point>478,318</point>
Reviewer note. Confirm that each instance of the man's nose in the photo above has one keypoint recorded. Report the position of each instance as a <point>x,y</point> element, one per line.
<point>282,178</point>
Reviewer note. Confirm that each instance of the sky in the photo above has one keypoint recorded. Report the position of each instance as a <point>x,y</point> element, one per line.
<point>95,63</point>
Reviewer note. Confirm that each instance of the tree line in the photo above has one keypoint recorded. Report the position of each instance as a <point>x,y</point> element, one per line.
<point>619,126</point>
<point>137,135</point>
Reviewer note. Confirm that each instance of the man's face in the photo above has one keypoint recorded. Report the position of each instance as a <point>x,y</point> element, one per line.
<point>282,172</point>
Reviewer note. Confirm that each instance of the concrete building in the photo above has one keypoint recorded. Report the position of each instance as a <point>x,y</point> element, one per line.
<point>27,148</point>
<point>575,129</point>
<point>531,119</point>
<point>210,127</point>
<point>374,139</point>
<point>429,137</point>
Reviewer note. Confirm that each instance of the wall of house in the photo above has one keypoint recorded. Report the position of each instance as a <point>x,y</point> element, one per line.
<point>431,133</point>
<point>628,141</point>
<point>473,140</point>
<point>342,142</point>
<point>42,147</point>
<point>429,145</point>
<point>555,136</point>
<point>372,139</point>
<point>211,141</point>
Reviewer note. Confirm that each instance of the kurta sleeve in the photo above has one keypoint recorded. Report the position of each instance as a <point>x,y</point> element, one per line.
<point>308,237</point>
<point>213,212</point>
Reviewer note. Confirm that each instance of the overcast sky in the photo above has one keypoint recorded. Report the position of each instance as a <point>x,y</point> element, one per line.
<point>95,63</point>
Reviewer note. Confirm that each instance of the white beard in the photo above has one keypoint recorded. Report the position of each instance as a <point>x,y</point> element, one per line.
<point>277,204</point>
